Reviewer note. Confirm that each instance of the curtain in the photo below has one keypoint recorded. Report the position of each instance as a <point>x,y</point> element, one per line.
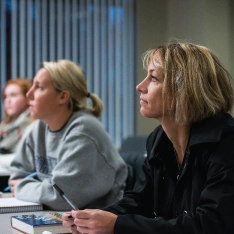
<point>97,34</point>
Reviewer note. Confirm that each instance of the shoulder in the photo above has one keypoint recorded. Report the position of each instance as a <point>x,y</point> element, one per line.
<point>83,123</point>
<point>88,129</point>
<point>212,142</point>
<point>212,130</point>
<point>84,120</point>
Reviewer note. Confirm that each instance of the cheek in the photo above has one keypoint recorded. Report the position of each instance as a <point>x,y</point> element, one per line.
<point>20,105</point>
<point>21,101</point>
<point>45,103</point>
<point>20,108</point>
<point>156,102</point>
<point>155,97</point>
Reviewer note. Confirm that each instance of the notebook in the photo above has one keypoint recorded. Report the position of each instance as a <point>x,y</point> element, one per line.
<point>39,222</point>
<point>12,204</point>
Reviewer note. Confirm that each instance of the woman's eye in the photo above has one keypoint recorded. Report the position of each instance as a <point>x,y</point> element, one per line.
<point>153,78</point>
<point>39,87</point>
<point>13,95</point>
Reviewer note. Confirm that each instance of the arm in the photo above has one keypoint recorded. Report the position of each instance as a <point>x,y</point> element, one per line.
<point>213,213</point>
<point>203,220</point>
<point>214,210</point>
<point>80,172</point>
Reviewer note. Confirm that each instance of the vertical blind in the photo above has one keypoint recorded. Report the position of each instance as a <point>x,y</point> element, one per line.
<point>97,34</point>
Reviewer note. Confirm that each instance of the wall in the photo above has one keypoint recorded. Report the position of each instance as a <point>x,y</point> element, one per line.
<point>206,22</point>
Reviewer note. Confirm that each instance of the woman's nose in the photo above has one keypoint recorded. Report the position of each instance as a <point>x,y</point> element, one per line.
<point>141,87</point>
<point>29,94</point>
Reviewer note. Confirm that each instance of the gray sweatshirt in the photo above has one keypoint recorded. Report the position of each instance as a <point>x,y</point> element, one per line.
<point>80,158</point>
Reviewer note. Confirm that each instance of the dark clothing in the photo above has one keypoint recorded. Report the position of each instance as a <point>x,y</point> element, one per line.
<point>199,200</point>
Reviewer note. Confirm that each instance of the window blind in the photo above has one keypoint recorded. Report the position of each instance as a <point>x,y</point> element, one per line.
<point>97,34</point>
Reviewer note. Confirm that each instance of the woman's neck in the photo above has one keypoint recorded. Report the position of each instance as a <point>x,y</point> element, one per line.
<point>179,136</point>
<point>58,121</point>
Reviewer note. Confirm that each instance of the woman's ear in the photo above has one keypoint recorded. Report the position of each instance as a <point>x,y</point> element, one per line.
<point>64,97</point>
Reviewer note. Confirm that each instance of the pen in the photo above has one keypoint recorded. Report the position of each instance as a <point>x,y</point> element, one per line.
<point>61,193</point>
<point>28,176</point>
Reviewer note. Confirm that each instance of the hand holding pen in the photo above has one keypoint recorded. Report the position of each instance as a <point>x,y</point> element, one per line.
<point>61,193</point>
<point>34,174</point>
<point>68,220</point>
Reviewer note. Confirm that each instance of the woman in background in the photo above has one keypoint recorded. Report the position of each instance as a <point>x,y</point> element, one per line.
<point>68,146</point>
<point>187,181</point>
<point>17,114</point>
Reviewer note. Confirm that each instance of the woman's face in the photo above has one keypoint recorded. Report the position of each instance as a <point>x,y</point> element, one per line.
<point>151,92</point>
<point>44,99</point>
<point>15,102</point>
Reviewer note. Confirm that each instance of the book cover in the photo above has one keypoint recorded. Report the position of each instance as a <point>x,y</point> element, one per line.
<point>12,204</point>
<point>39,222</point>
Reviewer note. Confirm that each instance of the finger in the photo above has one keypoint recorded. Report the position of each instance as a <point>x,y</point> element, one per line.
<point>81,222</point>
<point>83,230</point>
<point>68,223</point>
<point>66,215</point>
<point>83,214</point>
<point>74,229</point>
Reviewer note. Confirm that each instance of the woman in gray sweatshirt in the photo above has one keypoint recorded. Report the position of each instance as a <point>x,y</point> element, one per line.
<point>68,145</point>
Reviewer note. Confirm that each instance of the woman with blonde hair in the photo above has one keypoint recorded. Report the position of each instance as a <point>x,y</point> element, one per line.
<point>187,180</point>
<point>68,146</point>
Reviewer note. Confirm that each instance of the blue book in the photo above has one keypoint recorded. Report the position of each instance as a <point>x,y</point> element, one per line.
<point>38,222</point>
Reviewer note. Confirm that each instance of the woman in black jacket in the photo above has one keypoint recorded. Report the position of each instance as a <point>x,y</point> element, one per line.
<point>187,181</point>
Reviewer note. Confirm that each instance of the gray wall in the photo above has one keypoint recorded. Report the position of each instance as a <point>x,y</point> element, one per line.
<point>206,22</point>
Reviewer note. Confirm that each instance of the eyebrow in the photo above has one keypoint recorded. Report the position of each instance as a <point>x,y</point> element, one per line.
<point>37,82</point>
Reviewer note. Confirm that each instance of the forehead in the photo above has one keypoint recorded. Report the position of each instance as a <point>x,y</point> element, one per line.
<point>42,76</point>
<point>157,61</point>
<point>154,59</point>
<point>155,66</point>
<point>12,88</point>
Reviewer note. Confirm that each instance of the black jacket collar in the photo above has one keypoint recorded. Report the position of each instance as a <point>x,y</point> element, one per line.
<point>207,131</point>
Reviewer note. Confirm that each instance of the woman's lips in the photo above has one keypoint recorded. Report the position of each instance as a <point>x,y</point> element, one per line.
<point>142,101</point>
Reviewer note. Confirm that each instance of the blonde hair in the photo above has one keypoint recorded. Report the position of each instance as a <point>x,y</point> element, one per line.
<point>67,75</point>
<point>24,84</point>
<point>196,85</point>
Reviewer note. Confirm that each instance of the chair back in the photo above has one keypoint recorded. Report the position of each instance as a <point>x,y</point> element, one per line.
<point>133,151</point>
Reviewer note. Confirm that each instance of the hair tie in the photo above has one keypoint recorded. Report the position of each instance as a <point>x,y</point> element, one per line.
<point>88,94</point>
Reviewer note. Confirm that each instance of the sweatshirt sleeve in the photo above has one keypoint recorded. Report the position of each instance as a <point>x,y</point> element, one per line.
<point>82,172</point>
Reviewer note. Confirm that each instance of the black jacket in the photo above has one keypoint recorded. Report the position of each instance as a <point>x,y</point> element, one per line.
<point>199,200</point>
